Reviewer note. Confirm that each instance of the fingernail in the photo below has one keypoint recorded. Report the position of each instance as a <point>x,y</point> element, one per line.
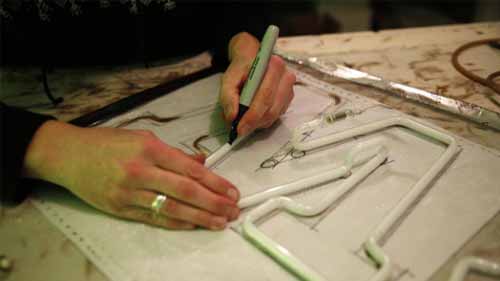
<point>200,158</point>
<point>218,223</point>
<point>233,194</point>
<point>233,213</point>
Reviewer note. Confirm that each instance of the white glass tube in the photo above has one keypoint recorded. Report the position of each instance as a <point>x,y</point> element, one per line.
<point>474,263</point>
<point>281,254</point>
<point>355,157</point>
<point>371,245</point>
<point>220,154</point>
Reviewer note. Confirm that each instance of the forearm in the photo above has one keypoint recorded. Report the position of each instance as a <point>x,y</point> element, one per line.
<point>44,158</point>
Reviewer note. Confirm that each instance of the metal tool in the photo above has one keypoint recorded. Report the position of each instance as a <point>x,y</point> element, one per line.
<point>466,110</point>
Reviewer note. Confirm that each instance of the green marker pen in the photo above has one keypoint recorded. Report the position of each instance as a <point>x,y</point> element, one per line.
<point>259,67</point>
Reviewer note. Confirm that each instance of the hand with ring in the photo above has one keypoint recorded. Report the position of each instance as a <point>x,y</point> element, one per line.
<point>133,175</point>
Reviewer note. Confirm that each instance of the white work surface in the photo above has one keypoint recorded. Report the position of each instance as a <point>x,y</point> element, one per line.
<point>456,206</point>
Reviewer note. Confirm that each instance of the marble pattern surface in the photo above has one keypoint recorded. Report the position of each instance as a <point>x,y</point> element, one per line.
<point>420,58</point>
<point>87,89</point>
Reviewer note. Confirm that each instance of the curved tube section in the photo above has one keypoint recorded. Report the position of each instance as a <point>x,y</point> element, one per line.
<point>358,155</point>
<point>474,264</point>
<point>281,254</point>
<point>371,245</point>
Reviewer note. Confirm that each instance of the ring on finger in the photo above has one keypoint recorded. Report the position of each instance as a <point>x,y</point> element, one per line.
<point>157,204</point>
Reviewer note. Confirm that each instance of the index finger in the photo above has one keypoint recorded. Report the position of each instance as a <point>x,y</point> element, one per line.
<point>264,98</point>
<point>232,82</point>
<point>174,160</point>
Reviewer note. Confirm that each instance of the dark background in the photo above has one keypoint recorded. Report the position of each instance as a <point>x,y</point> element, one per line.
<point>116,35</point>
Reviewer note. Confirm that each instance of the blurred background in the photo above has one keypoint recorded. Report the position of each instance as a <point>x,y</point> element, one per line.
<point>96,52</point>
<point>72,32</point>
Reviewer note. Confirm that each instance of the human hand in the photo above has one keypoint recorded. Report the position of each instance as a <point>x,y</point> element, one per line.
<point>273,96</point>
<point>122,171</point>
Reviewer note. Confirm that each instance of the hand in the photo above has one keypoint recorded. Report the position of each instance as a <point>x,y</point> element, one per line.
<point>273,96</point>
<point>122,171</point>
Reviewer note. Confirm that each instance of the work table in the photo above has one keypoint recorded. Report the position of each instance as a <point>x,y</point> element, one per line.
<point>420,57</point>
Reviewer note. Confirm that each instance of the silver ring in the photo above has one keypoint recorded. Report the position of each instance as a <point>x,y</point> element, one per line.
<point>158,203</point>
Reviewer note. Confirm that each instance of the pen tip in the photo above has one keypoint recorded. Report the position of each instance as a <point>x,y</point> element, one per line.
<point>232,136</point>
